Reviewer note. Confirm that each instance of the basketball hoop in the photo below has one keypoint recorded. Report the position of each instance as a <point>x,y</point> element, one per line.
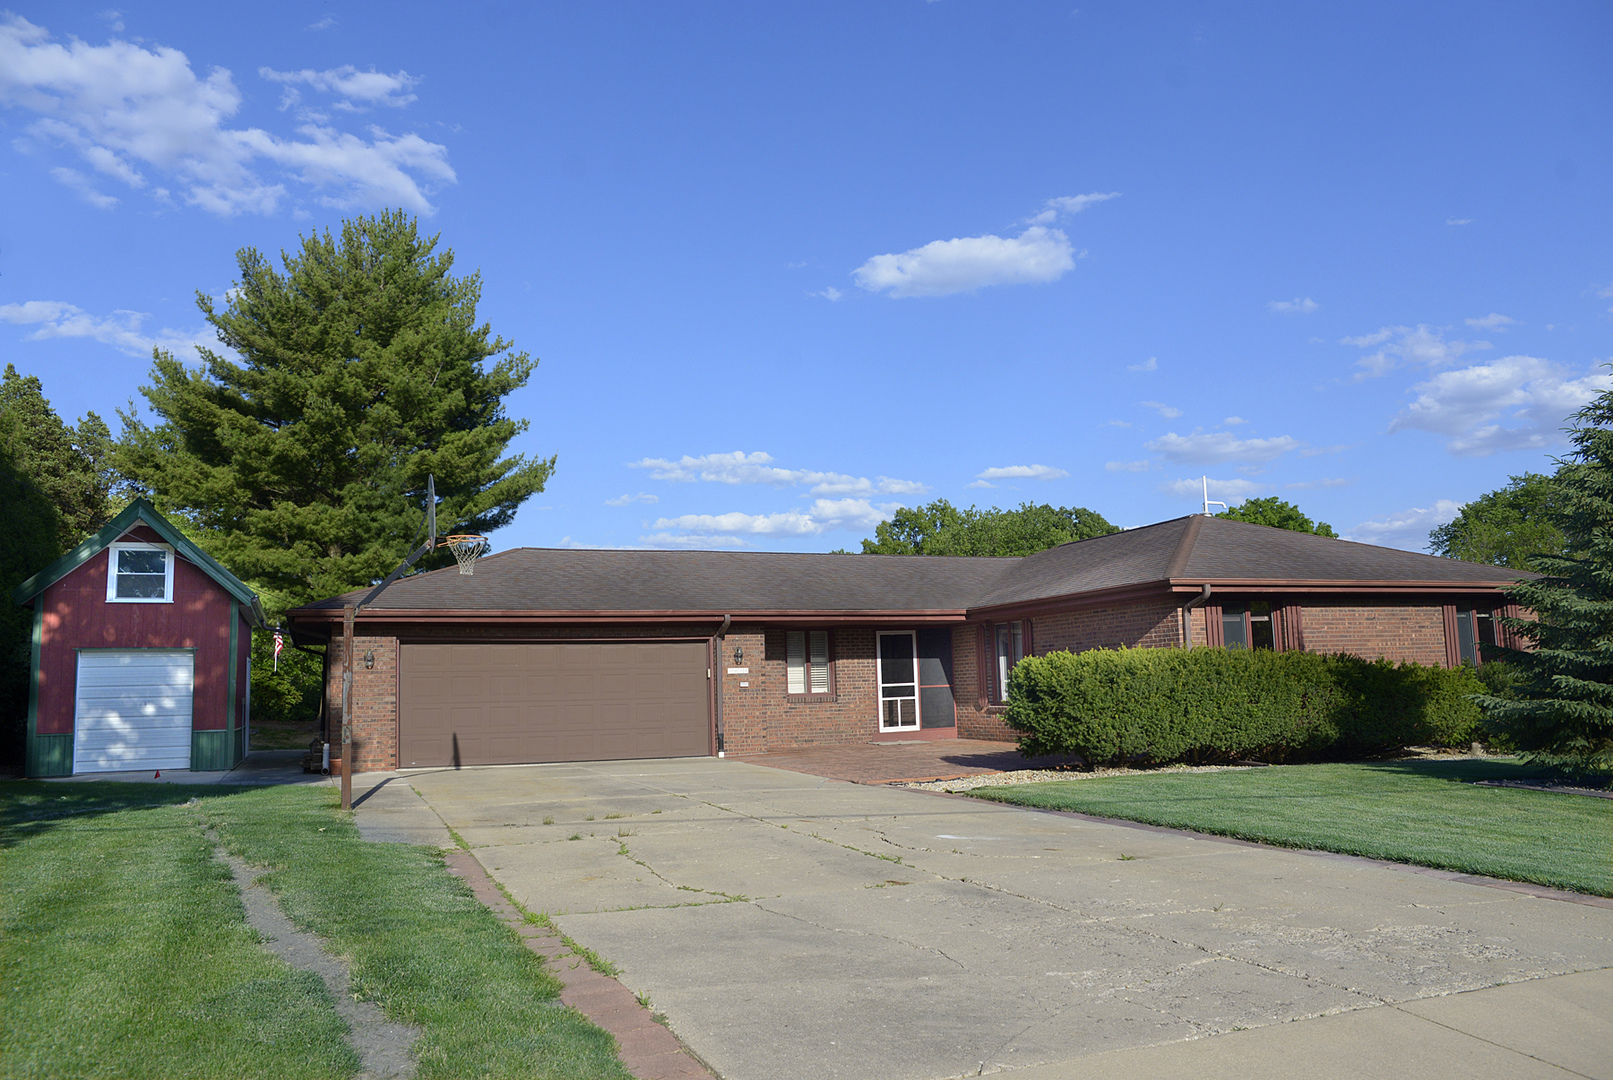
<point>467,549</point>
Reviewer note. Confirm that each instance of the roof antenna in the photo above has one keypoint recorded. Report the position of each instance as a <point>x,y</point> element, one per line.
<point>1208,502</point>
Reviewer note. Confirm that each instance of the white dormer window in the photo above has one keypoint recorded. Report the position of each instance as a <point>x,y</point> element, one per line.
<point>140,573</point>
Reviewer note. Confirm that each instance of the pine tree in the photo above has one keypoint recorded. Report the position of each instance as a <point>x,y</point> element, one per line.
<point>361,369</point>
<point>1563,711</point>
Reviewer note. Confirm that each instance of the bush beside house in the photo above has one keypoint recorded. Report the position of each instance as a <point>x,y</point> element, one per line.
<point>1160,706</point>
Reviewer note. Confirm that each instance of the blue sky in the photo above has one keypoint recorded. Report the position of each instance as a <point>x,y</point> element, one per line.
<point>788,267</point>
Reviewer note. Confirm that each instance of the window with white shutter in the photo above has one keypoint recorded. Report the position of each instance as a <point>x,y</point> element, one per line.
<point>807,667</point>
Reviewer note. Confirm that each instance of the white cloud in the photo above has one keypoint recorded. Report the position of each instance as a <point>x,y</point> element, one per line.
<point>690,540</point>
<point>1492,321</point>
<point>822,516</point>
<point>944,267</point>
<point>1234,421</point>
<point>1515,403</point>
<point>1458,221</point>
<point>1169,412</point>
<point>1407,529</point>
<point>1071,204</point>
<point>1312,485</point>
<point>1605,294</point>
<point>1022,472</point>
<point>1419,345</point>
<point>1296,306</point>
<point>1215,447</point>
<point>357,89</point>
<point>1151,364</point>
<point>86,189</point>
<point>830,293</point>
<point>628,500</point>
<point>1118,423</point>
<point>1128,466</point>
<point>758,468</point>
<point>123,108</point>
<point>121,330</point>
<point>981,484</point>
<point>1231,491</point>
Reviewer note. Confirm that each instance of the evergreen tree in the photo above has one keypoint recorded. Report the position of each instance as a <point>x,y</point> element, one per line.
<point>942,529</point>
<point>1507,527</point>
<point>1563,709</point>
<point>361,369</point>
<point>33,531</point>
<point>69,466</point>
<point>1277,513</point>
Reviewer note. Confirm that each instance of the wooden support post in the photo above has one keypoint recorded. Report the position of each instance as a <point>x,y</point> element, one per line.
<point>347,705</point>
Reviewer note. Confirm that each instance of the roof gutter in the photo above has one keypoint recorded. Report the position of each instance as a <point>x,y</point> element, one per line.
<point>1187,616</point>
<point>716,678</point>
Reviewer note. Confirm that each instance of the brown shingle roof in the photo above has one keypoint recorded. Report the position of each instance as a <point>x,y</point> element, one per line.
<point>1185,551</point>
<point>567,580</point>
<point>1197,550</point>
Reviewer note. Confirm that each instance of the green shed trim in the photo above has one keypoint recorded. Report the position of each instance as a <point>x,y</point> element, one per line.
<point>210,751</point>
<point>140,511</point>
<point>44,755</point>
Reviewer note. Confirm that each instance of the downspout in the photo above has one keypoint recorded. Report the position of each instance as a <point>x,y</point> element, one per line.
<point>1187,616</point>
<point>716,676</point>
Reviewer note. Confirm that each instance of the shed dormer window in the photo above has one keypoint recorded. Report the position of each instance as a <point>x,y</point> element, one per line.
<point>140,574</point>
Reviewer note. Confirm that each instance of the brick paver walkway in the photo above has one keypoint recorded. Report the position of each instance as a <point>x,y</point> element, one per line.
<point>648,1049</point>
<point>894,763</point>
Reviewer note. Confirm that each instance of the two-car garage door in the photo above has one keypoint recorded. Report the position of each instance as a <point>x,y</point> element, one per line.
<point>496,704</point>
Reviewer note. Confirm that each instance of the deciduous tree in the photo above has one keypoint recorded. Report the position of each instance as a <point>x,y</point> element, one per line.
<point>1277,513</point>
<point>1507,527</point>
<point>940,528</point>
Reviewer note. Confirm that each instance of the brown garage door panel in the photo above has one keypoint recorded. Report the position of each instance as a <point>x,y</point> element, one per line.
<point>510,704</point>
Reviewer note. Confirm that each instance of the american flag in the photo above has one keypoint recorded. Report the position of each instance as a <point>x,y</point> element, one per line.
<point>279,643</point>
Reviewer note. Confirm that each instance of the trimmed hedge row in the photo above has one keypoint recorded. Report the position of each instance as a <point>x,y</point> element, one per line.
<point>1167,705</point>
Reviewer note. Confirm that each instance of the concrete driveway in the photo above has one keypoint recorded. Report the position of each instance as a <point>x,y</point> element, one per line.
<point>790,926</point>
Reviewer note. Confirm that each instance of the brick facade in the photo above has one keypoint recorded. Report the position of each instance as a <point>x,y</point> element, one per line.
<point>759,716</point>
<point>1394,629</point>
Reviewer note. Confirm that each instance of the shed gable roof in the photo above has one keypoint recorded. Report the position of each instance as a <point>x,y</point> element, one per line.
<point>139,512</point>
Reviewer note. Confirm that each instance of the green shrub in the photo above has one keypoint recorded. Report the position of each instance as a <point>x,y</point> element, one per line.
<point>1167,705</point>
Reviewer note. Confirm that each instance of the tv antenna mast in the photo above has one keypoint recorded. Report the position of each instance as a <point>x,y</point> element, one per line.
<point>1209,502</point>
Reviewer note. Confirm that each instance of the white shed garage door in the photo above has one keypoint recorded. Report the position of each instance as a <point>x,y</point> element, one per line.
<point>132,710</point>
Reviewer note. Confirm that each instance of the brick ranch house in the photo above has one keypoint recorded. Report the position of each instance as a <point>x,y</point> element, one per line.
<point>141,655</point>
<point>567,655</point>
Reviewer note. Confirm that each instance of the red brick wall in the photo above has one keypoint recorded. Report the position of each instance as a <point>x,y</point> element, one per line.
<point>1394,628</point>
<point>762,716</point>
<point>77,616</point>
<point>1151,624</point>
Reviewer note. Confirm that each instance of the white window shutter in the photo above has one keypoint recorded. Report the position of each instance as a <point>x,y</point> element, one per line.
<point>795,661</point>
<point>820,661</point>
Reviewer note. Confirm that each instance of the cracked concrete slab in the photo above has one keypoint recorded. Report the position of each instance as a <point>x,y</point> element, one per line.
<point>891,933</point>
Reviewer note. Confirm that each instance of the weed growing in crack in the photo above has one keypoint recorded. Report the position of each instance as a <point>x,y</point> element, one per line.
<point>548,819</point>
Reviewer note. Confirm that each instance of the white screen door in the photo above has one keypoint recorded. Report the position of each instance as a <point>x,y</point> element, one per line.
<point>898,681</point>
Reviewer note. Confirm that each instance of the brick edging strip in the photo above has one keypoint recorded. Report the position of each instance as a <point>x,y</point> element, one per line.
<point>648,1049</point>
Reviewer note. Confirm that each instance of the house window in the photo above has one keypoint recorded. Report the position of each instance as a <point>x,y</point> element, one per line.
<point>140,573</point>
<point>1248,626</point>
<point>1010,651</point>
<point>1474,630</point>
<point>807,669</point>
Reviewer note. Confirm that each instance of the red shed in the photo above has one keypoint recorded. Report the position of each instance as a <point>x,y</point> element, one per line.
<point>141,654</point>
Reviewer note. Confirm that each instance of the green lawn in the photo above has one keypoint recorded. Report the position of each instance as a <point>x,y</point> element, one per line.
<point>124,950</point>
<point>1425,812</point>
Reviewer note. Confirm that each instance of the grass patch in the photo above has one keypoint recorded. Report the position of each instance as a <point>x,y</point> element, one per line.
<point>1428,813</point>
<point>125,952</point>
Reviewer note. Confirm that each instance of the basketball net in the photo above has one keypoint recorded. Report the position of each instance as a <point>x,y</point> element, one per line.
<point>467,549</point>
